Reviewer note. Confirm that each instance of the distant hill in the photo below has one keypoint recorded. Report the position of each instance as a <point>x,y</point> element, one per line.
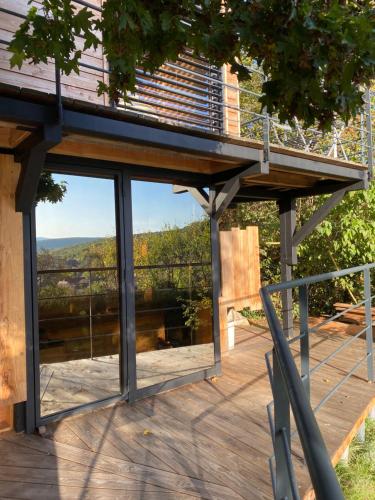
<point>56,243</point>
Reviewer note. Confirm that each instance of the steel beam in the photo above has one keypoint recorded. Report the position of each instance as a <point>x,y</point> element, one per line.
<point>31,153</point>
<point>318,216</point>
<point>20,111</point>
<point>199,194</point>
<point>85,123</point>
<point>288,258</point>
<point>231,187</point>
<point>215,205</point>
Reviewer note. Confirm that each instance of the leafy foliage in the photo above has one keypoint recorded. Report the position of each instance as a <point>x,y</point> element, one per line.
<point>346,238</point>
<point>328,44</point>
<point>49,189</point>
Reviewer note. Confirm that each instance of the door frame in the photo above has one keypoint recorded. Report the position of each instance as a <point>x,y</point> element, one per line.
<point>122,175</point>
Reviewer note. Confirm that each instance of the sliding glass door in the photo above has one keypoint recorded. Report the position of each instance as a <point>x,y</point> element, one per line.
<point>109,244</point>
<point>173,285</point>
<point>78,292</point>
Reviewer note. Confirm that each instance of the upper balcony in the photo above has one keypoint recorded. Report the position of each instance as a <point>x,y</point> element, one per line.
<point>192,98</point>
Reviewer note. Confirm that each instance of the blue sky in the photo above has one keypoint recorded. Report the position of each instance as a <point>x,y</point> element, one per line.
<point>88,208</point>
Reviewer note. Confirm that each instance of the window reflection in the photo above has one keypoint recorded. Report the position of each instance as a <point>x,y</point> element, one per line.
<point>173,298</point>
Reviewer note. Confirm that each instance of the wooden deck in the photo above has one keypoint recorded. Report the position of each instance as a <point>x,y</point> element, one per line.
<point>72,383</point>
<point>207,440</point>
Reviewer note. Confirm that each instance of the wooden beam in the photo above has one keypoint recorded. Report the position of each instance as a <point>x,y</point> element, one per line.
<point>31,153</point>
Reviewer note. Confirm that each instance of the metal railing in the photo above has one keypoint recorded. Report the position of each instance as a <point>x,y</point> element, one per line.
<point>80,281</point>
<point>84,286</point>
<point>191,93</point>
<point>291,388</point>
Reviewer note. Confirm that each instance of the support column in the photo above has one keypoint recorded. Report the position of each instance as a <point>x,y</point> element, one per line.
<point>288,258</point>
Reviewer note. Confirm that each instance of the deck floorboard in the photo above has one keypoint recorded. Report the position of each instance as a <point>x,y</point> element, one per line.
<point>206,440</point>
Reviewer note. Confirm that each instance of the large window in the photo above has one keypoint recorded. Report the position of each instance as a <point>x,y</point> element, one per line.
<point>78,295</point>
<point>173,287</point>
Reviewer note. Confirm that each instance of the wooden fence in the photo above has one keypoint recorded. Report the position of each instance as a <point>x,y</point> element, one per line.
<point>240,274</point>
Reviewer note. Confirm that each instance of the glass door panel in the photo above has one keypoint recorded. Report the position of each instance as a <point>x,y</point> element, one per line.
<point>173,284</point>
<point>78,294</point>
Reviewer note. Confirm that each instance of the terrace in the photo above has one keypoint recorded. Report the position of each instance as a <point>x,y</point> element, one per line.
<point>207,440</point>
<point>122,331</point>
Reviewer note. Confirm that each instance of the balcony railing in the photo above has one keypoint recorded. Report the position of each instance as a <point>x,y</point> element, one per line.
<point>85,303</point>
<point>194,94</point>
<point>291,387</point>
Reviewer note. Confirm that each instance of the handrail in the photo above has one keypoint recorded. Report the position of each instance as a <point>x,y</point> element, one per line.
<point>289,387</point>
<point>322,474</point>
<point>114,268</point>
<point>309,280</point>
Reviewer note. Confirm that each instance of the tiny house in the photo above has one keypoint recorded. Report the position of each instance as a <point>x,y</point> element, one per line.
<point>115,281</point>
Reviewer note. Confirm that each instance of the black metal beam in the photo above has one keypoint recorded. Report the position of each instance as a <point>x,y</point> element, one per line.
<point>329,187</point>
<point>231,187</point>
<point>319,167</point>
<point>31,153</point>
<point>199,194</point>
<point>62,163</point>
<point>20,111</point>
<point>85,123</point>
<point>318,216</point>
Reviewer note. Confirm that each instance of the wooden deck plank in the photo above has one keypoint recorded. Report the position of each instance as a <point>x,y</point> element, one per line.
<point>206,440</point>
<point>148,475</point>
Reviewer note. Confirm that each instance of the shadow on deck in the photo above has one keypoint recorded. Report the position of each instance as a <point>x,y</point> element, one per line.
<point>207,440</point>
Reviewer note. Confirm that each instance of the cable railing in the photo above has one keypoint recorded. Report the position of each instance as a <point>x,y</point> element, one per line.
<point>194,94</point>
<point>291,387</point>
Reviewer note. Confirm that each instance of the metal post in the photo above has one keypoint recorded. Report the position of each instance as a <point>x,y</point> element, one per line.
<point>288,257</point>
<point>90,316</point>
<point>304,332</point>
<point>368,315</point>
<point>282,430</point>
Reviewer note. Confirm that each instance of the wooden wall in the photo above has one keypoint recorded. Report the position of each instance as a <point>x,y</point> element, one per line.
<point>42,77</point>
<point>240,274</point>
<point>232,98</point>
<point>84,86</point>
<point>12,320</point>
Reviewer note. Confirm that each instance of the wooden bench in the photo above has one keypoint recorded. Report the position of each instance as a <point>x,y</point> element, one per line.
<point>355,316</point>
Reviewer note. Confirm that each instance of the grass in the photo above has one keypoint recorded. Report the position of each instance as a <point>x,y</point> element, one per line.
<point>357,478</point>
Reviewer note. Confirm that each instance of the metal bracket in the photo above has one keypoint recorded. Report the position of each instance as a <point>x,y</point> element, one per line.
<point>318,216</point>
<point>198,193</point>
<point>31,153</point>
<point>231,187</point>
<point>215,206</point>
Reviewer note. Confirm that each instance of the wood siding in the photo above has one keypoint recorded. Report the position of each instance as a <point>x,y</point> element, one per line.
<point>240,274</point>
<point>12,320</point>
<point>232,100</point>
<point>42,77</point>
<point>179,93</point>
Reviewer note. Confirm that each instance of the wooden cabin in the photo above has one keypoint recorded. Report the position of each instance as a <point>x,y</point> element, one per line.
<point>120,289</point>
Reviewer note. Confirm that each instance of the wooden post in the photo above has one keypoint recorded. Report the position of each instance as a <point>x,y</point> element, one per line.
<point>12,317</point>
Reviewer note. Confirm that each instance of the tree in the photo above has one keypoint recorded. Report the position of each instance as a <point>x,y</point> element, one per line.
<point>346,238</point>
<point>316,54</point>
<point>50,190</point>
